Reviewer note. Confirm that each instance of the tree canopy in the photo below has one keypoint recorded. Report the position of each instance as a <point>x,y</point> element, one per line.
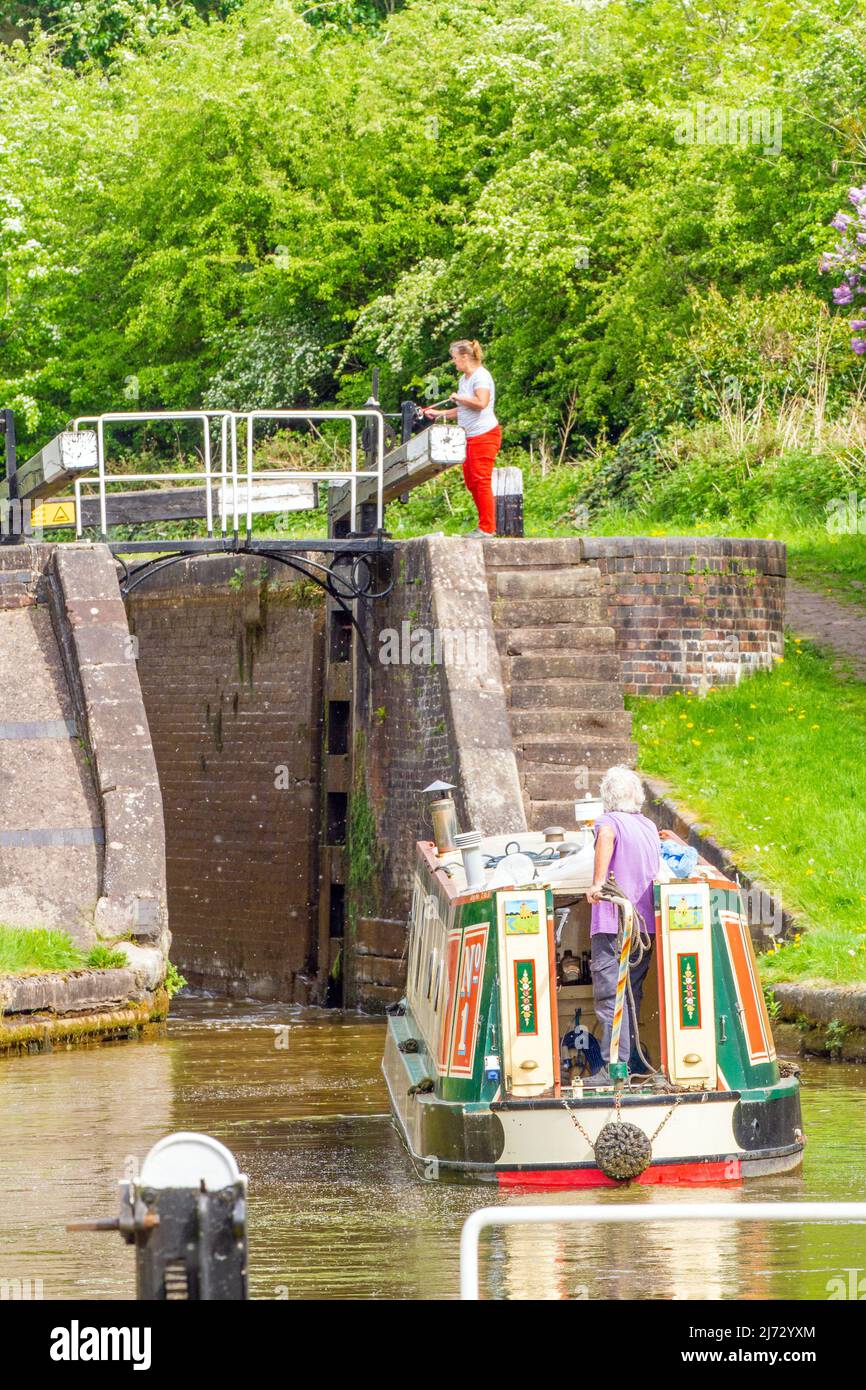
<point>253,204</point>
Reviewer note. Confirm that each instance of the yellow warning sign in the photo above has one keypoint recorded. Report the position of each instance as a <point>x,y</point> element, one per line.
<point>53,513</point>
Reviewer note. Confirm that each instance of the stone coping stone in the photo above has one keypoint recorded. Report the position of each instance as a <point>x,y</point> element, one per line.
<point>823,1003</point>
<point>68,991</point>
<point>100,659</point>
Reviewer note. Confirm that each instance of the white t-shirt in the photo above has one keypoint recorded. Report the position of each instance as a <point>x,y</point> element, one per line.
<point>476,421</point>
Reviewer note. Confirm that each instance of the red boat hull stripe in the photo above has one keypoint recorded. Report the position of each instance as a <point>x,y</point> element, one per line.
<point>669,1174</point>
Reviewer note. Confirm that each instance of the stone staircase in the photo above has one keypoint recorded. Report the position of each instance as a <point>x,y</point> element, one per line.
<point>561,674</point>
<point>50,825</point>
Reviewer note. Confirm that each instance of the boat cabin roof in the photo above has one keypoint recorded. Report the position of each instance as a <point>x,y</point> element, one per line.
<point>451,874</point>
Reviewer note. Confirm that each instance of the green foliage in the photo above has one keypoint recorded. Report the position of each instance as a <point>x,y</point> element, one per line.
<point>103,31</point>
<point>774,1008</point>
<point>748,349</point>
<point>835,1036</point>
<point>249,205</point>
<point>94,30</point>
<point>264,366</point>
<point>174,981</point>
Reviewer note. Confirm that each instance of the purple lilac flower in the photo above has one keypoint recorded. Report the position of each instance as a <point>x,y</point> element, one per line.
<point>856,196</point>
<point>850,259</point>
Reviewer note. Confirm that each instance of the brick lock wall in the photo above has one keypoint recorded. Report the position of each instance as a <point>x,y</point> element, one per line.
<point>401,715</point>
<point>418,721</point>
<point>231,677</point>
<point>691,613</point>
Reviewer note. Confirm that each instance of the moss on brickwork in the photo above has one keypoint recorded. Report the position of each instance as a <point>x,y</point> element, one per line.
<point>303,593</point>
<point>363,848</point>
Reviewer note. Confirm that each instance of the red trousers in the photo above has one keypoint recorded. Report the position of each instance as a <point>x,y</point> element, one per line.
<point>481,451</point>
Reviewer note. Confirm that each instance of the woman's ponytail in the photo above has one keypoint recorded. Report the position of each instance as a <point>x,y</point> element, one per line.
<point>470,345</point>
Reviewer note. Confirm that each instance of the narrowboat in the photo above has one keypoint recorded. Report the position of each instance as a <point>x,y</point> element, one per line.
<point>486,1057</point>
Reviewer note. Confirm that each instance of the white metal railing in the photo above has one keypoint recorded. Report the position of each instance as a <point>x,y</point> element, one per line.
<point>643,1214</point>
<point>229,496</point>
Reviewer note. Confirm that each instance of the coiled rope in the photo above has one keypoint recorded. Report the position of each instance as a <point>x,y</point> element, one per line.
<point>622,1150</point>
<point>634,942</point>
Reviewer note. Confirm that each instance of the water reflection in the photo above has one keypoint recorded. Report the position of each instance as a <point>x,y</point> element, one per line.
<point>335,1209</point>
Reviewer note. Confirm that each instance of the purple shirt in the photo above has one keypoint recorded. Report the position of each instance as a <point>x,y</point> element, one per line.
<point>634,864</point>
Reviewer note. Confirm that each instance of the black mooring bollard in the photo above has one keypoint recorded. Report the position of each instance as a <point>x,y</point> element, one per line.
<point>185,1214</point>
<point>508,493</point>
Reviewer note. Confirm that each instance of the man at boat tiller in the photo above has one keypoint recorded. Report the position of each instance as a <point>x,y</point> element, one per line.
<point>627,859</point>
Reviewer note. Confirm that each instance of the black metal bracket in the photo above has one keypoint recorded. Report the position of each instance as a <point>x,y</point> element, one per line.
<point>10,531</point>
<point>347,578</point>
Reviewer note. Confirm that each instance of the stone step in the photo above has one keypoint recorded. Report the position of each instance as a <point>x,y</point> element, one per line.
<point>531,552</point>
<point>588,750</point>
<point>580,581</point>
<point>573,638</point>
<point>578,696</point>
<point>15,557</point>
<point>561,724</point>
<point>546,612</point>
<point>541,814</point>
<point>542,783</point>
<point>587,666</point>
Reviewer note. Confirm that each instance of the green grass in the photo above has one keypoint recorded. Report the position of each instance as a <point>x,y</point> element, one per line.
<point>774,767</point>
<point>25,951</point>
<point>32,950</point>
<point>101,957</point>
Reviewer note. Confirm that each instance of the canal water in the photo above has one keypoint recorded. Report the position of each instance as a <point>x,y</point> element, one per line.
<point>335,1210</point>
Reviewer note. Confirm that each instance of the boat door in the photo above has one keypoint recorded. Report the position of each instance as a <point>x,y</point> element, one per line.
<point>527,983</point>
<point>687,992</point>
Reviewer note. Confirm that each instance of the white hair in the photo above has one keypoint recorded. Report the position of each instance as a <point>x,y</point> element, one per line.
<point>621,790</point>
